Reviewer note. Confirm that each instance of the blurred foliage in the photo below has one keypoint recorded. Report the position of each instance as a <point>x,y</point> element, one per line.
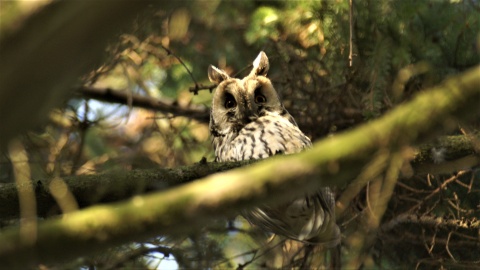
<point>399,48</point>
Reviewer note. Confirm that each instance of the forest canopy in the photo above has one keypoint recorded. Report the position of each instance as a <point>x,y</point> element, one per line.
<point>104,132</point>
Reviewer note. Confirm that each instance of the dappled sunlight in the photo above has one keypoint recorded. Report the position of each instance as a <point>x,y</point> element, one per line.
<point>98,223</point>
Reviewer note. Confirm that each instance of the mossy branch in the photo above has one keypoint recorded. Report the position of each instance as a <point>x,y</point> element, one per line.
<point>458,153</point>
<point>108,187</point>
<point>332,161</point>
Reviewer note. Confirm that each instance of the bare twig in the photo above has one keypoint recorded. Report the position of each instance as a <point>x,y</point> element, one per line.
<point>432,243</point>
<point>469,186</point>
<point>403,185</point>
<point>441,187</point>
<point>169,52</point>
<point>198,87</point>
<point>448,249</point>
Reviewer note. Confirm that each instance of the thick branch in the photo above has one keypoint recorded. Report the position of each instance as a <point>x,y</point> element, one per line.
<point>449,154</point>
<point>333,161</point>
<point>109,187</point>
<point>121,97</point>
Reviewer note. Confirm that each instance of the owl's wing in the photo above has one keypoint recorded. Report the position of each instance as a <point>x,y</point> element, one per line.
<point>310,219</point>
<point>315,215</point>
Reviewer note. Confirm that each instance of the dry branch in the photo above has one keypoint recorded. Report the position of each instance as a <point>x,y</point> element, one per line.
<point>199,113</point>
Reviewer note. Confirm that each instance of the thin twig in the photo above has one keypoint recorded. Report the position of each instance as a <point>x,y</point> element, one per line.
<point>169,52</point>
<point>243,69</point>
<point>448,249</point>
<point>438,189</point>
<point>198,87</point>
<point>407,187</point>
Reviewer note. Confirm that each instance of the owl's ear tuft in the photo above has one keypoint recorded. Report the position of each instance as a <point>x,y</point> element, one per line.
<point>261,65</point>
<point>216,75</point>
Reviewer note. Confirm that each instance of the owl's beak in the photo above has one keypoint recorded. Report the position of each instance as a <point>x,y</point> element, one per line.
<point>249,112</point>
<point>249,115</point>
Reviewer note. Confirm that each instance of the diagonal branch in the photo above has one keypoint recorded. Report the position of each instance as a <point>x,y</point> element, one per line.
<point>116,186</point>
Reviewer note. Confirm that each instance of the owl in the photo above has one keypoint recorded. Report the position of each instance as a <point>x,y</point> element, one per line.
<point>248,121</point>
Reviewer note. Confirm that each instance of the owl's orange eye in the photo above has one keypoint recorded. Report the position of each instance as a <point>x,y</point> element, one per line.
<point>260,99</point>
<point>230,102</point>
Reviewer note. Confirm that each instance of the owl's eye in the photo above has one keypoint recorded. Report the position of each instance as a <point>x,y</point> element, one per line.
<point>230,102</point>
<point>260,99</point>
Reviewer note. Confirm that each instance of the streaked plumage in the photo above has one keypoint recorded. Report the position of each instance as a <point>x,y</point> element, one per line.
<point>248,121</point>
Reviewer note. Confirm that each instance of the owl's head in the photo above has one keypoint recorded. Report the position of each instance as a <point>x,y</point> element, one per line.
<point>237,102</point>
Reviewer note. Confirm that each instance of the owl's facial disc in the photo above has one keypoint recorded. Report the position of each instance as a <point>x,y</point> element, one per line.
<point>238,106</point>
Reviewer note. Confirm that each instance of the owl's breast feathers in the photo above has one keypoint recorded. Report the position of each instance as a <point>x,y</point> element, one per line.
<point>309,219</point>
<point>266,136</point>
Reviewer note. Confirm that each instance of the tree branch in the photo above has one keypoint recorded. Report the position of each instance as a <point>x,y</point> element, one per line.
<point>447,155</point>
<point>431,221</point>
<point>198,87</point>
<point>120,185</point>
<point>199,113</point>
<point>108,187</point>
<point>332,161</point>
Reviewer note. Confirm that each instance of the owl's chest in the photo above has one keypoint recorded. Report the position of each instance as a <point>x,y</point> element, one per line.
<point>260,139</point>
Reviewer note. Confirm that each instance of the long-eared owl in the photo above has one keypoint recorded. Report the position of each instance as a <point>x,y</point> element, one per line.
<point>248,121</point>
